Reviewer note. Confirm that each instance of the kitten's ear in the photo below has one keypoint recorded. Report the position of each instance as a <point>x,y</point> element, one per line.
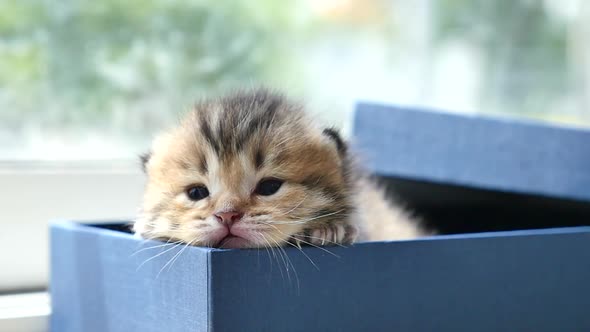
<point>144,159</point>
<point>334,135</point>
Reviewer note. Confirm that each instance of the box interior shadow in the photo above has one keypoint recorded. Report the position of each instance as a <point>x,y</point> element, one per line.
<point>454,209</point>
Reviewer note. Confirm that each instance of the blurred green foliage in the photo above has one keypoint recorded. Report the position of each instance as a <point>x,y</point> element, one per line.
<point>76,61</point>
<point>127,67</point>
<point>524,49</point>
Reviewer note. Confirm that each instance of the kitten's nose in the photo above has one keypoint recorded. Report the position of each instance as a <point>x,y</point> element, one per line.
<point>228,217</point>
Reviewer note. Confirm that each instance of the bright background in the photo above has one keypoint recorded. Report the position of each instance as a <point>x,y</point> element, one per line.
<point>84,85</point>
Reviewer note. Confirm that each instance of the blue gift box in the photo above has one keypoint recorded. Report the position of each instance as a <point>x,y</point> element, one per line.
<point>533,280</point>
<point>464,174</point>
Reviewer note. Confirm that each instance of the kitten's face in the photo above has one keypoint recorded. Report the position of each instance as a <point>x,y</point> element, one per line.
<point>244,171</point>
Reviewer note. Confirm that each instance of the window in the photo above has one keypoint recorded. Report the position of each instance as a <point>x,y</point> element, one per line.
<point>85,84</point>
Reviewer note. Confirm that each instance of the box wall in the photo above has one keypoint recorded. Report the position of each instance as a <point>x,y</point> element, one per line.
<point>519,281</point>
<point>98,283</point>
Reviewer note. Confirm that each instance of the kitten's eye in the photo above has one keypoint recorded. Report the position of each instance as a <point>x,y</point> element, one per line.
<point>267,187</point>
<point>197,192</point>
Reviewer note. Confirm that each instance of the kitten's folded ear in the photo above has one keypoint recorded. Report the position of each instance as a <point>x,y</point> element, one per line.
<point>334,135</point>
<point>144,159</point>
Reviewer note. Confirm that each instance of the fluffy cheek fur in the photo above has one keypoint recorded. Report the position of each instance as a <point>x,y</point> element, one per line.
<point>268,220</point>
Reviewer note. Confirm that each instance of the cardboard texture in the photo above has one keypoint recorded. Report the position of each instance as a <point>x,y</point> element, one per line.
<point>519,281</point>
<point>464,174</point>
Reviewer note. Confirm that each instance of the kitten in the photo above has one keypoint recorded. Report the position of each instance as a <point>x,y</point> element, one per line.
<point>252,170</point>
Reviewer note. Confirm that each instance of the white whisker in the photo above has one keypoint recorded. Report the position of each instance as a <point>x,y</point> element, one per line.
<point>313,245</point>
<point>160,254</point>
<point>303,252</point>
<point>308,243</point>
<point>324,240</point>
<point>171,261</point>
<point>301,221</point>
<point>271,247</point>
<point>296,206</point>
<point>290,263</point>
<point>155,247</point>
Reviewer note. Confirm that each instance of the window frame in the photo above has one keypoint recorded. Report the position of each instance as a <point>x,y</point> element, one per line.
<point>34,193</point>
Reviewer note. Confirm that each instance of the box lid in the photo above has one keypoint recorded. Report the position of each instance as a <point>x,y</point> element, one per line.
<point>474,151</point>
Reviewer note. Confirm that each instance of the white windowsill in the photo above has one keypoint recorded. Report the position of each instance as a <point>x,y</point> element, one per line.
<point>27,312</point>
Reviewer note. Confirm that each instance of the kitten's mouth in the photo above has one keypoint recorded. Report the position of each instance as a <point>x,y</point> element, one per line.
<point>232,241</point>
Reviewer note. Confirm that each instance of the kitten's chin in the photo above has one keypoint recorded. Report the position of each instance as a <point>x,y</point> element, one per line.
<point>235,242</point>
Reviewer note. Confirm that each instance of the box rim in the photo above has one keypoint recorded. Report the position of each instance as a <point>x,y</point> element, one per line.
<point>95,228</point>
<point>502,118</point>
